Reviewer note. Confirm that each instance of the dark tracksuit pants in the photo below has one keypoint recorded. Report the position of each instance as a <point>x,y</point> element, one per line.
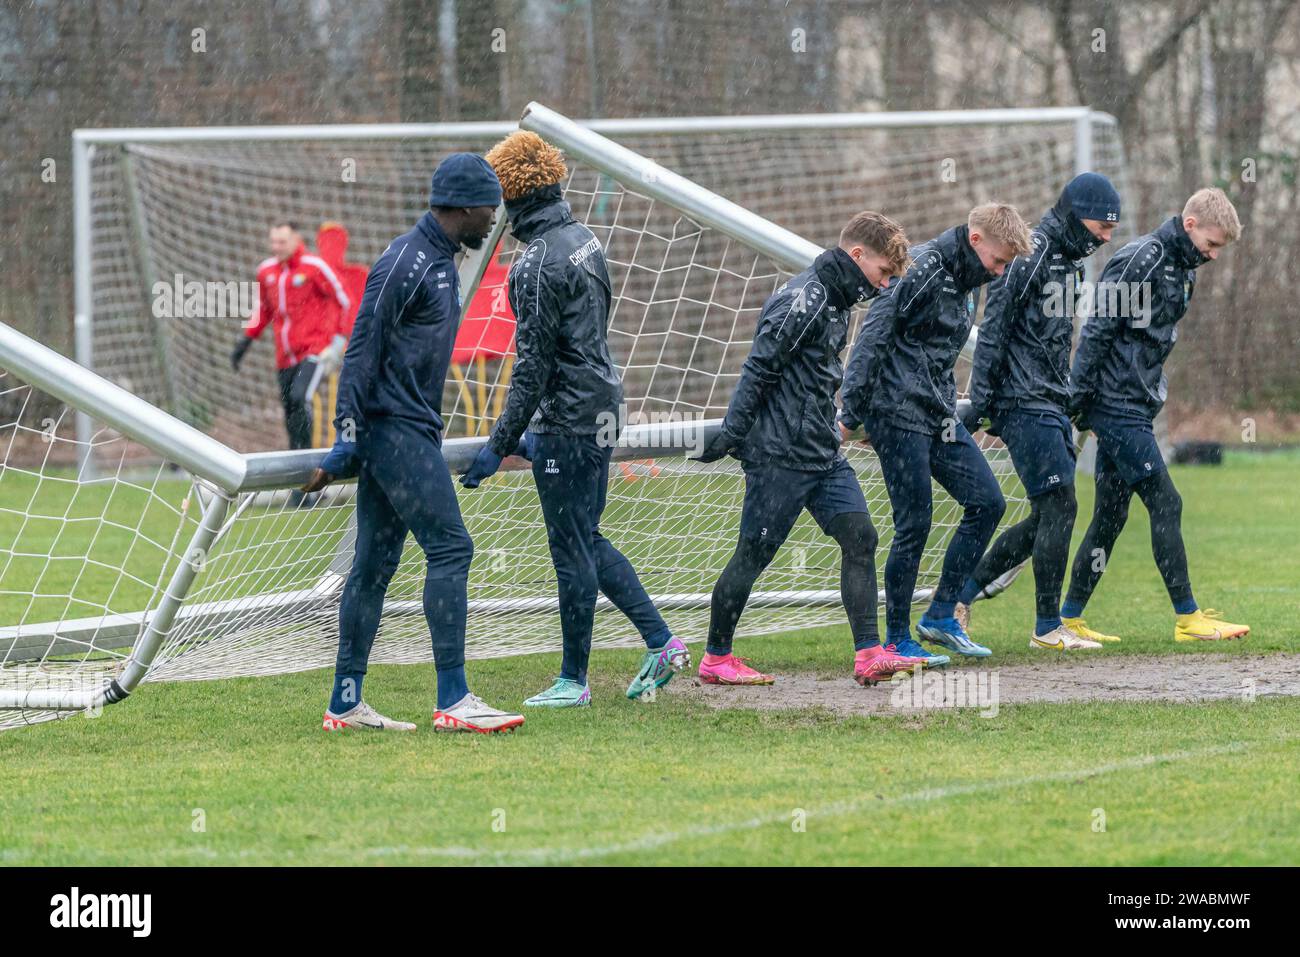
<point>572,476</point>
<point>1041,444</point>
<point>404,486</point>
<point>295,383</point>
<point>775,496</point>
<point>908,461</point>
<point>1129,461</point>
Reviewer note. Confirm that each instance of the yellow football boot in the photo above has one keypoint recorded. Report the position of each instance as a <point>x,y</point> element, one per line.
<point>1204,624</point>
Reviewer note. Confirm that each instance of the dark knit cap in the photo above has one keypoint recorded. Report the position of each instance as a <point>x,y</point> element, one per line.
<point>464,179</point>
<point>1091,196</point>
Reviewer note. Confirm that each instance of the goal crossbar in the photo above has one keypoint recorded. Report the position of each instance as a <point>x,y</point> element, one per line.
<point>769,122</point>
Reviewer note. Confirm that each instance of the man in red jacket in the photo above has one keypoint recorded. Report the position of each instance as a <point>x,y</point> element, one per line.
<point>301,298</point>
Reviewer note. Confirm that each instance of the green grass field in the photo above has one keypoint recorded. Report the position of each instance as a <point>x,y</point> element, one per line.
<point>238,772</point>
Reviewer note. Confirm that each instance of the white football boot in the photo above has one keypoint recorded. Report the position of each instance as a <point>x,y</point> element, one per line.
<point>1061,638</point>
<point>471,714</point>
<point>363,718</point>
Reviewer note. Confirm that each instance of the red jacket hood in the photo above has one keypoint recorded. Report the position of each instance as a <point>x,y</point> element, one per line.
<point>332,243</point>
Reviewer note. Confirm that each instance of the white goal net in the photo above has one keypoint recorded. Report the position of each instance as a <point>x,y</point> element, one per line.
<point>193,207</point>
<point>103,529</point>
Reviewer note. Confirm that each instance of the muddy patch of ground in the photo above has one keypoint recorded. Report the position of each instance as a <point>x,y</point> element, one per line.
<point>1178,678</point>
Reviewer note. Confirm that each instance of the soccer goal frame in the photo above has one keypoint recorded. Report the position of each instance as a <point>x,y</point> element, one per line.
<point>1083,122</point>
<point>221,475</point>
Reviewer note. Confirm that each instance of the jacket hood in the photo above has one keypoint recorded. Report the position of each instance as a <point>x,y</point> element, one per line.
<point>844,281</point>
<point>537,212</point>
<point>332,243</point>
<point>1179,244</point>
<point>1064,227</point>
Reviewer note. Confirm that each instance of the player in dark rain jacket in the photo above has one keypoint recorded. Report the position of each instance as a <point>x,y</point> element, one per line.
<point>1117,386</point>
<point>1021,379</point>
<point>566,392</point>
<point>900,386</point>
<point>781,425</point>
<point>389,433</point>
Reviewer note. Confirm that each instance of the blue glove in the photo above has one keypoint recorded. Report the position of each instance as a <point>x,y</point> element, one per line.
<point>342,460</point>
<point>527,447</point>
<point>484,466</point>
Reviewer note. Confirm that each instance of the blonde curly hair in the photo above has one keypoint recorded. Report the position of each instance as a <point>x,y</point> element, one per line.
<point>523,162</point>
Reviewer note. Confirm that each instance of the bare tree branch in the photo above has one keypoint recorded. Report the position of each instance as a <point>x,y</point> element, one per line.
<point>1166,48</point>
<point>978,10</point>
<point>1064,12</point>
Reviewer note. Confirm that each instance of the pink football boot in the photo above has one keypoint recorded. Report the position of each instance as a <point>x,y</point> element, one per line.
<point>881,663</point>
<point>730,670</point>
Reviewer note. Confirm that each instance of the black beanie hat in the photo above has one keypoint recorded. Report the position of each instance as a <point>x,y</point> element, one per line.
<point>1091,196</point>
<point>464,179</point>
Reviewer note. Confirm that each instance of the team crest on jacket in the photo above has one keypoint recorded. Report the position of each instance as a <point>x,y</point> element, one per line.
<point>299,279</point>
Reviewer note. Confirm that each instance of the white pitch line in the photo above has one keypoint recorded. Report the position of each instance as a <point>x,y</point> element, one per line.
<point>563,855</point>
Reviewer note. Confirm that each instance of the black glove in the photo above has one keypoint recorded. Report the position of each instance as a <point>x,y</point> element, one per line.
<point>720,446</point>
<point>973,419</point>
<point>237,353</point>
<point>1077,409</point>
